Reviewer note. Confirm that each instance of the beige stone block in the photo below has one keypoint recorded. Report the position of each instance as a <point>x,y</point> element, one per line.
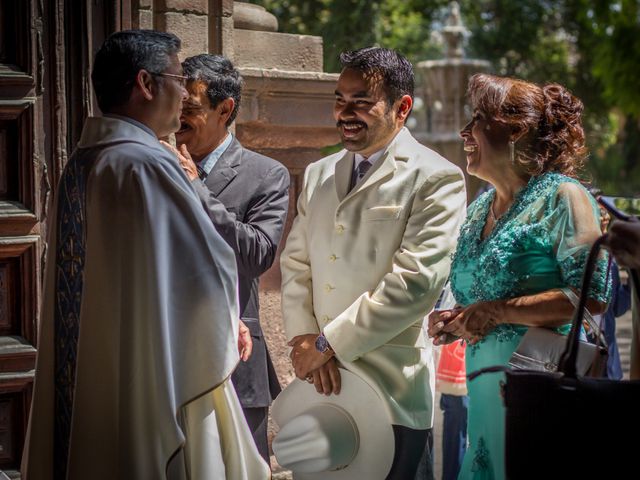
<point>227,8</point>
<point>283,51</point>
<point>288,98</point>
<point>192,6</point>
<point>145,19</point>
<point>145,3</point>
<point>228,40</point>
<point>191,29</point>
<point>262,137</point>
<point>248,16</point>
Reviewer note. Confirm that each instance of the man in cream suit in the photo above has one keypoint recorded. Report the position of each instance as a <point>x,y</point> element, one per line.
<point>369,252</point>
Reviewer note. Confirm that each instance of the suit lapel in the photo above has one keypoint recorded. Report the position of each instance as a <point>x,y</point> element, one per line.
<point>225,168</point>
<point>344,167</point>
<point>386,165</point>
<point>398,149</point>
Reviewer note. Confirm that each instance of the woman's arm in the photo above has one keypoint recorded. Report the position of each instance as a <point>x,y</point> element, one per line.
<point>550,309</point>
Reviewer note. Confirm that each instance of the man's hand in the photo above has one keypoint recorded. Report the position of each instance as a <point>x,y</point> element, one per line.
<point>326,379</point>
<point>304,355</point>
<point>245,343</point>
<point>184,158</point>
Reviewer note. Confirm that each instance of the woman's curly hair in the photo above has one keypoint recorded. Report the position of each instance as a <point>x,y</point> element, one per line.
<point>550,116</point>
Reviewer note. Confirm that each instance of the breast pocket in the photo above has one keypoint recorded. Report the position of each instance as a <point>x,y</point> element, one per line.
<point>377,214</point>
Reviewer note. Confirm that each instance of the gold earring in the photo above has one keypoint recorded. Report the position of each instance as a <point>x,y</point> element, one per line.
<point>512,152</point>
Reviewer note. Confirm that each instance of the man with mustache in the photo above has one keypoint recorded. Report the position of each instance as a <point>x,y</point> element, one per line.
<point>246,196</point>
<point>369,253</point>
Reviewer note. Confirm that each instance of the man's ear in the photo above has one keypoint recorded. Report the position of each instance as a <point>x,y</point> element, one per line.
<point>404,107</point>
<point>225,108</point>
<point>145,84</point>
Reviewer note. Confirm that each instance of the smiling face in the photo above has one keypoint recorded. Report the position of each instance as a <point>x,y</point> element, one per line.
<point>202,127</point>
<point>365,120</point>
<point>486,144</point>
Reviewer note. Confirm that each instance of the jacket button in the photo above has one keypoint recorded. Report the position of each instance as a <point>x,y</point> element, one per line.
<point>325,319</point>
<point>328,288</point>
<point>332,257</point>
<point>339,228</point>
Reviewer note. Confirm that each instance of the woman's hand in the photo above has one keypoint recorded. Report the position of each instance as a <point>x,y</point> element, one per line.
<point>437,321</point>
<point>472,323</point>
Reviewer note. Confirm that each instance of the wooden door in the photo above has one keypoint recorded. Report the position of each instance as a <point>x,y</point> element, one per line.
<point>23,191</point>
<point>46,48</point>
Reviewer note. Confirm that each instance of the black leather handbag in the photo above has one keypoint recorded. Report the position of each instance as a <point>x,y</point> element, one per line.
<point>562,425</point>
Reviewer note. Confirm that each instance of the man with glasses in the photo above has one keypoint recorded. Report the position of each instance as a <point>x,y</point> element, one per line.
<point>139,328</point>
<point>246,196</point>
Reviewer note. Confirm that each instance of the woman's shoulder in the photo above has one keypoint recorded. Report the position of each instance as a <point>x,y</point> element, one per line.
<point>555,189</point>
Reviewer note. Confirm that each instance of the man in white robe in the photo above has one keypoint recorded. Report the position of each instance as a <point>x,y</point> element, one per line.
<point>139,333</point>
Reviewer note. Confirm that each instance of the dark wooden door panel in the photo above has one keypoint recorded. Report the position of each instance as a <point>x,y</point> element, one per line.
<point>15,400</point>
<point>22,136</point>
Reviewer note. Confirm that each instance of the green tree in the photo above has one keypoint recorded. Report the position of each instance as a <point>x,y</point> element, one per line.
<point>607,38</point>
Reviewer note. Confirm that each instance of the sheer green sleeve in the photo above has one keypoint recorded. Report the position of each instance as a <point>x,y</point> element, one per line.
<point>574,224</point>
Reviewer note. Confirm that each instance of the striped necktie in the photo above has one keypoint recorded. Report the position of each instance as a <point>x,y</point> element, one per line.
<point>359,172</point>
<point>201,173</point>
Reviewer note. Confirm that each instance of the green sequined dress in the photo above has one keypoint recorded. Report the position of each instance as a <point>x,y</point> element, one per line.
<point>540,243</point>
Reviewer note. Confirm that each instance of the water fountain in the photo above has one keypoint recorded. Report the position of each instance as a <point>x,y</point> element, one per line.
<point>442,84</point>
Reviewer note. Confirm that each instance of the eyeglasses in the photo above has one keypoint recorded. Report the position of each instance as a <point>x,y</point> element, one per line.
<point>182,80</point>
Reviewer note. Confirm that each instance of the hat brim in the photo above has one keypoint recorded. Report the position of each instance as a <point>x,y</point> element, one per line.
<point>376,446</point>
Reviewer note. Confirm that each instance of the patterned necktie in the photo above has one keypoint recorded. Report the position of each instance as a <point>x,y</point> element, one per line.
<point>360,171</point>
<point>201,173</point>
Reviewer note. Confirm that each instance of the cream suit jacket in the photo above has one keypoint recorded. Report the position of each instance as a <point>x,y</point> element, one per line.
<point>366,266</point>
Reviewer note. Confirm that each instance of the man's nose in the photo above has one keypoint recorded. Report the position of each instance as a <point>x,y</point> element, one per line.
<point>345,111</point>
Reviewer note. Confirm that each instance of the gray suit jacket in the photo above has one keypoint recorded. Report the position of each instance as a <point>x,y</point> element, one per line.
<point>246,196</point>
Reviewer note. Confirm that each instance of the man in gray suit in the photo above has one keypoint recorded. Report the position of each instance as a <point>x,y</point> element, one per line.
<point>246,197</point>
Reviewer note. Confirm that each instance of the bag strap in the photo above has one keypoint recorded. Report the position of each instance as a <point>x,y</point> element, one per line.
<point>569,357</point>
<point>587,318</point>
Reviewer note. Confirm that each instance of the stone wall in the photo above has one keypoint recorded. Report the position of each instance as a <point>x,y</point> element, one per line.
<point>202,25</point>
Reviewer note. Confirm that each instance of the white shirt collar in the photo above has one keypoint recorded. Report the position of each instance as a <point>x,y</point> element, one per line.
<point>208,162</point>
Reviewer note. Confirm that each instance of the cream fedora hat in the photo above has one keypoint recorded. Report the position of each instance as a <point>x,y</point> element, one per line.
<point>345,436</point>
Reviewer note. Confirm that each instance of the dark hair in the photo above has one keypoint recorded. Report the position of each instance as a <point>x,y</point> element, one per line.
<point>222,79</point>
<point>122,56</point>
<point>551,115</point>
<point>396,70</point>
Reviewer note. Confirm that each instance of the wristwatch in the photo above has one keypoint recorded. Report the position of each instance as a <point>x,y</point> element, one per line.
<point>322,344</point>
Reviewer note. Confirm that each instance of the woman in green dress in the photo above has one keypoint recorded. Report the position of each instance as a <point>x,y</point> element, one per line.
<point>522,242</point>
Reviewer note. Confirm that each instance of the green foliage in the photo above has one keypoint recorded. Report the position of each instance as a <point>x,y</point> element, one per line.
<point>593,48</point>
<point>519,38</point>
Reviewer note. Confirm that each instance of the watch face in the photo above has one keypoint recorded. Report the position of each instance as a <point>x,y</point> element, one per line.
<point>322,344</point>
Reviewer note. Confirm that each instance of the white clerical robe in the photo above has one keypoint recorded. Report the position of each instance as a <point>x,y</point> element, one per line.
<point>158,323</point>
